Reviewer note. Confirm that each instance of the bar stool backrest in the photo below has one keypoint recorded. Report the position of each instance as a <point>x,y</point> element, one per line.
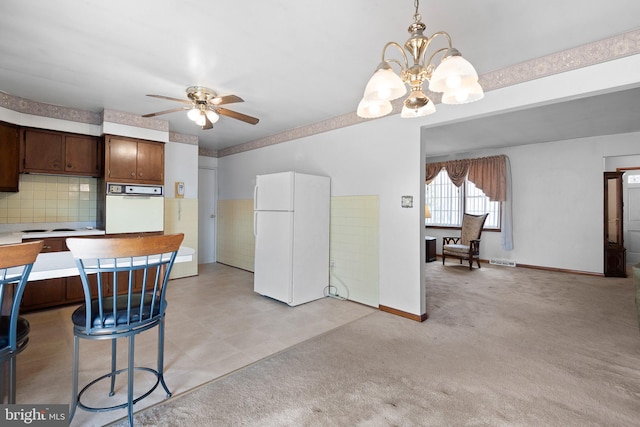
<point>16,262</point>
<point>124,281</point>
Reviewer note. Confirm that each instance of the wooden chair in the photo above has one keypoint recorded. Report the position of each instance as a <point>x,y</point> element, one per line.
<point>125,284</point>
<point>16,262</point>
<point>467,246</point>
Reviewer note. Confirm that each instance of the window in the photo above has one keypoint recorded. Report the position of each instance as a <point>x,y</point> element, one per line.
<point>447,203</point>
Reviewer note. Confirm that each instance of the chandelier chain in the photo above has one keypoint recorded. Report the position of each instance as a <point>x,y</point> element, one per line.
<point>416,16</point>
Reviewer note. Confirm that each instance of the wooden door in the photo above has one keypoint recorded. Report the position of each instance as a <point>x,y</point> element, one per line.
<point>43,151</point>
<point>614,250</point>
<point>121,159</point>
<point>10,158</point>
<point>150,166</point>
<point>81,155</point>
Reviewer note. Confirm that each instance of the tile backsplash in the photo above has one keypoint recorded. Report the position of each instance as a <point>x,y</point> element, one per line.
<point>50,198</point>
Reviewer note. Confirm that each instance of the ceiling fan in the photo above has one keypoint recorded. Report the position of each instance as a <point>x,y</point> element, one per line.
<point>204,107</point>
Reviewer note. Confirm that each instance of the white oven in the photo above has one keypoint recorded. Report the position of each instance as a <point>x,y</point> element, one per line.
<point>134,208</point>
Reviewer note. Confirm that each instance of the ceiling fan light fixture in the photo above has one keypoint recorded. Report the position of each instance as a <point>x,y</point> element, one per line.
<point>194,114</point>
<point>203,107</point>
<point>212,116</point>
<point>201,120</point>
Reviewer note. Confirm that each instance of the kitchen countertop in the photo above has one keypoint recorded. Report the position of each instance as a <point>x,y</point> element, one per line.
<point>52,265</point>
<point>15,233</point>
<point>42,234</point>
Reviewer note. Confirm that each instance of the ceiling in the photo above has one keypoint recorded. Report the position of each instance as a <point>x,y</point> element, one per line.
<point>294,63</point>
<point>606,114</point>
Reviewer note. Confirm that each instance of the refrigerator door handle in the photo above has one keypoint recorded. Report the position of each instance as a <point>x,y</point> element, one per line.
<point>255,197</point>
<point>255,224</point>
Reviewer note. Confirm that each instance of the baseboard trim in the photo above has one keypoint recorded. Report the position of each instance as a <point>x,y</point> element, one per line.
<point>560,270</point>
<point>539,267</point>
<point>417,318</point>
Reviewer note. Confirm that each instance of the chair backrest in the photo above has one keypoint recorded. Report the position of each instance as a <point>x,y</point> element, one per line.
<point>471,227</point>
<point>16,262</point>
<point>124,280</point>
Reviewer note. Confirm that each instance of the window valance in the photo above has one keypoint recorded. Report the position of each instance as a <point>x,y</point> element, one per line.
<point>487,173</point>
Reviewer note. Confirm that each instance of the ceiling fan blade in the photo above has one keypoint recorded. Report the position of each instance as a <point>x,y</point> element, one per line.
<point>184,101</point>
<point>238,116</point>
<point>207,123</point>
<point>227,99</point>
<point>173,110</point>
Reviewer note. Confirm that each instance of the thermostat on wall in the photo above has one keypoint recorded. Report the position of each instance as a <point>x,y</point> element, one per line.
<point>179,190</point>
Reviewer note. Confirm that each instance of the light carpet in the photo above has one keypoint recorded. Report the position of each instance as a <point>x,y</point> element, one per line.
<point>502,347</point>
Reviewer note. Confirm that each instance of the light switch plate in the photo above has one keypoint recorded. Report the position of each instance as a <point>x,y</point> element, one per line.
<point>407,201</point>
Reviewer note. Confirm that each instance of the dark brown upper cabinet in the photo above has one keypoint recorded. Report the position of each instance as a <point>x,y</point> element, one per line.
<point>130,160</point>
<point>61,153</point>
<point>10,157</point>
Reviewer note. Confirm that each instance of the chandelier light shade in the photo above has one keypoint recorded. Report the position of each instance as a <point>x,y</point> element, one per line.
<point>463,96</point>
<point>373,109</point>
<point>453,76</point>
<point>417,105</point>
<point>385,85</point>
<point>453,73</point>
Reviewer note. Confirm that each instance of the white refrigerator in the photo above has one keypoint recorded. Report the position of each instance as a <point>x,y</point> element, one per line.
<point>291,228</point>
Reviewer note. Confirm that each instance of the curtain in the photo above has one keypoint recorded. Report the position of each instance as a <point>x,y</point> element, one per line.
<point>487,173</point>
<point>433,169</point>
<point>457,170</point>
<point>490,174</point>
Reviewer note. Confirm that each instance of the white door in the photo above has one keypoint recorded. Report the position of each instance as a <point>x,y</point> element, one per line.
<point>273,256</point>
<point>631,192</point>
<point>207,195</point>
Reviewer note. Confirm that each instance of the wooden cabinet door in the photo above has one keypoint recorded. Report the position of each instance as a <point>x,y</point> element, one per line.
<point>74,290</point>
<point>81,155</point>
<point>121,159</point>
<point>150,162</point>
<point>43,151</point>
<point>49,292</point>
<point>10,158</point>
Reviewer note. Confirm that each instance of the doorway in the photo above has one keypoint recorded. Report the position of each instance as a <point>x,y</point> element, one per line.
<point>631,212</point>
<point>207,197</point>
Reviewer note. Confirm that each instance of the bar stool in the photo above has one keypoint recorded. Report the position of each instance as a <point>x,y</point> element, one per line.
<point>16,262</point>
<point>125,283</point>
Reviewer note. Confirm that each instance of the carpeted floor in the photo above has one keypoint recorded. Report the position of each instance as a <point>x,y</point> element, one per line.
<point>502,347</point>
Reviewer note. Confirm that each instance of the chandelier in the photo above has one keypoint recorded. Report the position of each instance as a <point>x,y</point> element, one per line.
<point>454,76</point>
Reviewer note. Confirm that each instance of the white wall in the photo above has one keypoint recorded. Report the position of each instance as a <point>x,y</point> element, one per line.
<point>380,157</point>
<point>181,165</point>
<point>181,214</point>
